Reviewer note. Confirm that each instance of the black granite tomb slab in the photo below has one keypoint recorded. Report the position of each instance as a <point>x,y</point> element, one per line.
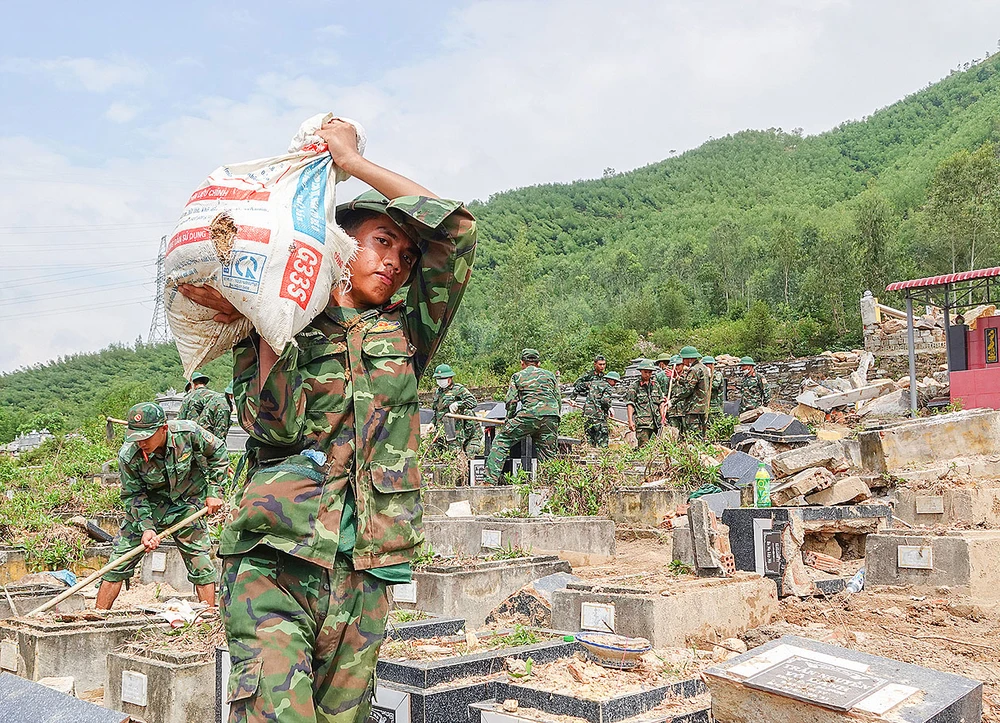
<point>480,713</point>
<point>740,468</point>
<point>432,627</point>
<point>442,704</point>
<point>940,697</point>
<point>777,427</point>
<point>428,673</point>
<point>605,711</point>
<point>26,702</point>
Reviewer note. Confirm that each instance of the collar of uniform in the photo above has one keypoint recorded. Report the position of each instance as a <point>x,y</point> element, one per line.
<point>348,317</point>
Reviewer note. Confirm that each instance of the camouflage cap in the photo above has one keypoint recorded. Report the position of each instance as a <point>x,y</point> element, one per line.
<point>708,360</point>
<point>689,352</point>
<point>612,377</point>
<point>143,421</point>
<point>530,355</point>
<point>748,361</point>
<point>375,202</point>
<point>443,371</point>
<point>199,378</point>
<point>599,357</point>
<point>647,366</point>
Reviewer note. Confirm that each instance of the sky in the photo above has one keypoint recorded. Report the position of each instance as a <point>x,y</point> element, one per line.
<point>114,112</point>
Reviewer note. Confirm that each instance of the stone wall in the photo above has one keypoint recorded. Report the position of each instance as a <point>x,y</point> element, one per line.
<point>785,378</point>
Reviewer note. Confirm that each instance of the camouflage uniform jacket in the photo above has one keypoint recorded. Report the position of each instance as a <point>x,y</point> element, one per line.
<point>193,466</point>
<point>718,392</point>
<point>443,399</point>
<point>599,400</point>
<point>693,390</point>
<point>753,392</point>
<point>582,385</point>
<point>645,400</point>
<point>209,409</point>
<point>538,392</point>
<point>347,388</point>
<point>662,379</point>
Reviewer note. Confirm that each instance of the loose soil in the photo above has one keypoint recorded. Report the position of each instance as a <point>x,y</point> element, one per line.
<point>456,645</point>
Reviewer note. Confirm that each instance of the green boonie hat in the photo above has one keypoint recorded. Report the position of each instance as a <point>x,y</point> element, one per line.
<point>647,366</point>
<point>613,376</point>
<point>675,359</point>
<point>748,361</point>
<point>663,358</point>
<point>530,355</point>
<point>198,378</point>
<point>443,371</point>
<point>689,352</point>
<point>708,360</point>
<point>143,421</point>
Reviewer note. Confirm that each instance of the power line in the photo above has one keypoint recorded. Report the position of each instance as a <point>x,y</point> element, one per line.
<point>83,228</point>
<point>78,292</point>
<point>69,275</point>
<point>71,309</point>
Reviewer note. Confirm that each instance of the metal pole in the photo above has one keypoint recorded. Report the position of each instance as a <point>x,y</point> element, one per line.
<point>947,327</point>
<point>911,351</point>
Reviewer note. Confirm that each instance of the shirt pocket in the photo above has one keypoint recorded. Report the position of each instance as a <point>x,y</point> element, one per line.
<point>323,366</point>
<point>388,360</point>
<point>244,680</point>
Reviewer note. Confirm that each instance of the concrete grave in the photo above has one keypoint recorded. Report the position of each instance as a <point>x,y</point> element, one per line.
<point>966,507</point>
<point>26,598</point>
<point>668,614</point>
<point>796,680</point>
<point>578,540</point>
<point>14,563</point>
<point>644,506</point>
<point>482,500</point>
<point>472,590</point>
<point>431,626</point>
<point>963,560</point>
<point>160,686</point>
<point>25,701</point>
<point>770,541</point>
<point>43,648</point>
<point>166,565</point>
<point>610,710</point>
<point>899,446</point>
<point>493,712</point>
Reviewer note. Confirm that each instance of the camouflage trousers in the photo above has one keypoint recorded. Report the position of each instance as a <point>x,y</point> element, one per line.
<point>693,425</point>
<point>597,431</point>
<point>303,640</point>
<point>544,433</point>
<point>193,543</point>
<point>468,438</point>
<point>644,434</point>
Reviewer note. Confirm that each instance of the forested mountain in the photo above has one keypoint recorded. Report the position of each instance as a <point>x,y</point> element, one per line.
<point>760,242</point>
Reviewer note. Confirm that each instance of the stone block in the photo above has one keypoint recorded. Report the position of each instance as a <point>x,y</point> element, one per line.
<point>805,482</point>
<point>796,680</point>
<point>916,442</point>
<point>482,500</point>
<point>160,686</point>
<point>843,491</point>
<point>24,701</point>
<point>644,506</point>
<point>966,507</point>
<point>819,454</point>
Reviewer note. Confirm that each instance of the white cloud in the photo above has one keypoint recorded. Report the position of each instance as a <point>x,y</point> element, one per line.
<point>92,74</point>
<point>332,31</point>
<point>119,112</point>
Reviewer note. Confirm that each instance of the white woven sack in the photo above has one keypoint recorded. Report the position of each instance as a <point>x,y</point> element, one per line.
<point>263,233</point>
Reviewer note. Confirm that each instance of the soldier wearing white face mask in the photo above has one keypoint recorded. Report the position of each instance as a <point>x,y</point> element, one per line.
<point>452,397</point>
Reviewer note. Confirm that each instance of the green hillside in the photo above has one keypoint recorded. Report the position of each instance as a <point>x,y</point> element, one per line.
<point>760,242</point>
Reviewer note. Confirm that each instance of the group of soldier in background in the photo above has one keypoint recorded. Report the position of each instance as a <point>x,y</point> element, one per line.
<point>684,391</point>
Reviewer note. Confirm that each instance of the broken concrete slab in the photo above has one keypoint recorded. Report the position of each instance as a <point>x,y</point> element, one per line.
<point>802,483</point>
<point>709,608</point>
<point>710,540</point>
<point>939,438</point>
<point>843,491</point>
<point>532,604</point>
<point>819,454</point>
<point>963,560</point>
<point>578,540</point>
<point>892,404</point>
<point>798,680</point>
<point>24,700</point>
<point>809,414</point>
<point>646,506</point>
<point>482,500</point>
<point>853,396</point>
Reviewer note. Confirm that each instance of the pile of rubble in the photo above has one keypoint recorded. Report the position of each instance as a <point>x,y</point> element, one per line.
<point>855,394</point>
